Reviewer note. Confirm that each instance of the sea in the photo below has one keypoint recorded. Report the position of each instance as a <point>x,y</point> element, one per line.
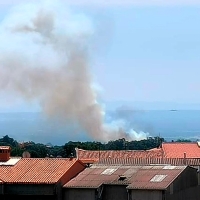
<point>168,124</point>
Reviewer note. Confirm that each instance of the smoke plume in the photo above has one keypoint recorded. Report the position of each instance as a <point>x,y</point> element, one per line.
<point>44,55</point>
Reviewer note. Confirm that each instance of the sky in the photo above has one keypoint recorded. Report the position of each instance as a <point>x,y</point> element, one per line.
<point>142,51</point>
<point>140,54</point>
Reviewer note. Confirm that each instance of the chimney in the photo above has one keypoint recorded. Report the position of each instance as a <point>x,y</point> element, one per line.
<point>76,149</point>
<point>198,143</point>
<point>4,153</point>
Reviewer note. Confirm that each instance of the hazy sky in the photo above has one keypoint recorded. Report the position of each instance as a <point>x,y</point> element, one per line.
<point>142,50</point>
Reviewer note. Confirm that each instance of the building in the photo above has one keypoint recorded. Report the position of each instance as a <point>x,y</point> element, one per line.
<point>35,178</point>
<point>156,182</point>
<point>181,149</point>
<point>90,156</point>
<point>4,153</point>
<point>175,153</point>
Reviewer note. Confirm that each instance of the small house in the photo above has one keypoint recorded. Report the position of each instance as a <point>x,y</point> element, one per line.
<point>36,178</point>
<point>156,182</point>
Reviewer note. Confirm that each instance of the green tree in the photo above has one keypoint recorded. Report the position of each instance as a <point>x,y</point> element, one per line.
<point>183,140</point>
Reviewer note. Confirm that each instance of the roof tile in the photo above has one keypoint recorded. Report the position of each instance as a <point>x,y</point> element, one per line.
<point>177,149</point>
<point>138,177</point>
<point>95,156</point>
<point>36,170</point>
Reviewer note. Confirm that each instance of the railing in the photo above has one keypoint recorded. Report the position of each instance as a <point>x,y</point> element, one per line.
<point>148,161</point>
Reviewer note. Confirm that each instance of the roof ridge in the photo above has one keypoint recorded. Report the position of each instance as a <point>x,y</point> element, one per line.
<point>179,143</point>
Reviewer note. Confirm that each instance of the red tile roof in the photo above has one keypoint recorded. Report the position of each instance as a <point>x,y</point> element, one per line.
<point>88,156</point>
<point>149,161</point>
<point>140,177</point>
<point>167,150</point>
<point>177,149</point>
<point>37,170</point>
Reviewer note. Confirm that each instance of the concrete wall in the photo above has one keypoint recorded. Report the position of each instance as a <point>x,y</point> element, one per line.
<point>184,187</point>
<point>79,194</point>
<point>146,195</point>
<point>109,192</point>
<point>114,192</point>
<point>27,197</point>
<point>1,188</point>
<point>29,189</point>
<point>187,179</point>
<point>192,193</point>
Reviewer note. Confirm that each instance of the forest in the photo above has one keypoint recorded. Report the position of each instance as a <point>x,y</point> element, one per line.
<point>39,150</point>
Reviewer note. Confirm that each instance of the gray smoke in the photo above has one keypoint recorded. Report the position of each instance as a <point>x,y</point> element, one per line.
<point>44,55</point>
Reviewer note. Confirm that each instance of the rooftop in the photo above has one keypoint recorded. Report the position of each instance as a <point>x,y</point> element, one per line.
<point>36,170</point>
<point>151,161</point>
<point>148,177</point>
<point>89,156</point>
<point>10,162</point>
<point>177,149</point>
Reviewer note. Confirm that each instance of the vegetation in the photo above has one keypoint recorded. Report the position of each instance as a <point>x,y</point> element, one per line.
<point>38,150</point>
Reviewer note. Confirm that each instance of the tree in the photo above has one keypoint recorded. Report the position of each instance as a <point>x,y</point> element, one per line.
<point>7,141</point>
<point>183,140</point>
